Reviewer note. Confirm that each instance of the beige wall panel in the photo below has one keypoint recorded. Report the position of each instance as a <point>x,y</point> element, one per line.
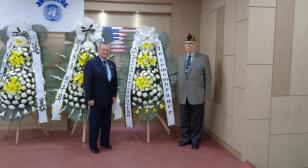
<point>258,91</point>
<point>181,22</point>
<point>212,5</point>
<point>241,40</point>
<point>204,32</point>
<point>229,28</point>
<point>204,5</point>
<point>208,46</point>
<point>185,19</point>
<point>237,132</point>
<point>219,54</point>
<point>208,112</point>
<point>283,48</point>
<point>262,3</point>
<point>128,7</point>
<point>221,124</point>
<point>288,151</point>
<point>256,142</point>
<point>261,28</point>
<point>289,115</point>
<point>212,117</point>
<point>208,38</point>
<point>299,83</point>
<point>241,9</point>
<point>227,84</point>
<point>141,1</point>
<point>160,22</point>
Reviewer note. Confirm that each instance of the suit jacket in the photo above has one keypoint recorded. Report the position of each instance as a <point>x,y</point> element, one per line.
<point>96,84</point>
<point>198,83</point>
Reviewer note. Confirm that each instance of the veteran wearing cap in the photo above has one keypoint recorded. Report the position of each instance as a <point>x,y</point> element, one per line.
<point>193,86</point>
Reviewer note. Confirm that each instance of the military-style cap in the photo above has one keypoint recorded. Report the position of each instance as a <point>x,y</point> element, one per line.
<point>190,38</point>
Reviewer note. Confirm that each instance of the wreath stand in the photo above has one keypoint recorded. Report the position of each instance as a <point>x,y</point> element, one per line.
<point>85,122</point>
<point>84,128</point>
<point>148,127</point>
<point>17,137</point>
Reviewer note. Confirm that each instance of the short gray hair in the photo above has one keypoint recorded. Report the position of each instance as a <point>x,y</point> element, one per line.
<point>102,42</point>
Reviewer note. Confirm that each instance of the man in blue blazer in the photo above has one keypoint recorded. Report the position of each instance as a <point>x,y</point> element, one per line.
<point>100,85</point>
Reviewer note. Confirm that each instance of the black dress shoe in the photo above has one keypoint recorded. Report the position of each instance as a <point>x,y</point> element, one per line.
<point>181,143</point>
<point>94,150</point>
<point>108,146</point>
<point>195,146</point>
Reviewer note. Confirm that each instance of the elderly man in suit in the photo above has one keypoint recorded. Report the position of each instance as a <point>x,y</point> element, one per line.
<point>100,85</point>
<point>194,84</point>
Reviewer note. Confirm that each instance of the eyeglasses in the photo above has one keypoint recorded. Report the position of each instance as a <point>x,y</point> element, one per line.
<point>189,43</point>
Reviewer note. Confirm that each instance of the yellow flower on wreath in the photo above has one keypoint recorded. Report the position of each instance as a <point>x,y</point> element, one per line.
<point>138,110</point>
<point>153,61</point>
<point>142,82</point>
<point>83,59</point>
<point>162,106</point>
<point>78,78</point>
<point>16,59</point>
<point>147,45</point>
<point>143,60</point>
<point>13,86</point>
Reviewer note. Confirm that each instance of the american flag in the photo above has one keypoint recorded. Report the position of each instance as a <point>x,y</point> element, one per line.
<point>117,35</point>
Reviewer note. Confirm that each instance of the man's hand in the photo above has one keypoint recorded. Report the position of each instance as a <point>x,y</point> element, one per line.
<point>91,102</point>
<point>114,99</point>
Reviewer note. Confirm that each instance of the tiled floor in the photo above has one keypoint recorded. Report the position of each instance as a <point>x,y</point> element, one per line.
<point>129,150</point>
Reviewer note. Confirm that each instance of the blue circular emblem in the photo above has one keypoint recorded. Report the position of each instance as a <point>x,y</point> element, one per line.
<point>52,12</point>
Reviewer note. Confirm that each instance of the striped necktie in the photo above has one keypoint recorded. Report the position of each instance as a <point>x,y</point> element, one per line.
<point>107,69</point>
<point>187,65</point>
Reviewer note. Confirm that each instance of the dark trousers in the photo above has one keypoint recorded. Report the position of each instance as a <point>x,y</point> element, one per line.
<point>99,120</point>
<point>192,117</point>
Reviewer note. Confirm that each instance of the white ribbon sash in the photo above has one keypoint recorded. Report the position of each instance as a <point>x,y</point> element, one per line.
<point>57,105</point>
<point>39,79</point>
<point>9,47</point>
<point>166,83</point>
<point>130,80</point>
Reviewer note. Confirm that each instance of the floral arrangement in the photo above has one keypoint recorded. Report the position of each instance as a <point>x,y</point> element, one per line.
<point>146,76</point>
<point>146,90</point>
<point>70,96</point>
<point>74,96</point>
<point>18,86</point>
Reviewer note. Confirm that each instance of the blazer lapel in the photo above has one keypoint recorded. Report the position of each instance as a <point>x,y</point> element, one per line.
<point>194,61</point>
<point>182,63</point>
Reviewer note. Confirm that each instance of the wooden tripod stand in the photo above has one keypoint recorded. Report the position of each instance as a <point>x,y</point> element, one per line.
<point>84,128</point>
<point>17,137</point>
<point>148,127</point>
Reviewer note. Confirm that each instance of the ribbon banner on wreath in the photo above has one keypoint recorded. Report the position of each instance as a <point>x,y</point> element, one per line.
<point>148,87</point>
<point>21,77</point>
<point>70,96</point>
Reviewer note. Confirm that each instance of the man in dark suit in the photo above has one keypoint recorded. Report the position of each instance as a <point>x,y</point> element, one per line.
<point>193,85</point>
<point>100,85</point>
